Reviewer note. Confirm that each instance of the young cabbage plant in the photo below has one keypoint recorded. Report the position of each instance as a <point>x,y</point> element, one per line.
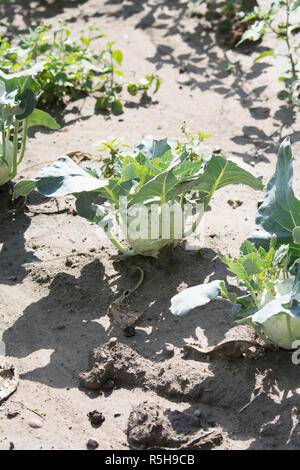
<point>268,267</point>
<point>18,99</point>
<point>147,195</point>
<point>71,67</point>
<point>282,20</point>
<point>271,303</point>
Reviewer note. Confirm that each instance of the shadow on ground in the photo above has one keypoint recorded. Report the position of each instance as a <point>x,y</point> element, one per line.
<point>65,321</point>
<point>42,10</point>
<point>13,254</point>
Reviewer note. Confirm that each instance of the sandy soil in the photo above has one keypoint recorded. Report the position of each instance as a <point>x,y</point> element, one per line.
<point>58,274</point>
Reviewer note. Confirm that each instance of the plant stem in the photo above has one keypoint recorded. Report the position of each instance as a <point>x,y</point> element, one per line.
<point>195,224</point>
<point>112,71</point>
<point>118,245</point>
<point>261,335</point>
<point>15,146</point>
<point>289,328</point>
<point>287,39</point>
<point>3,134</point>
<point>24,138</point>
<point>252,292</point>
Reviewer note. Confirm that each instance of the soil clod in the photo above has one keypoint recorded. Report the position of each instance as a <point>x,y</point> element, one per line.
<point>151,426</point>
<point>124,367</point>
<point>12,414</point>
<point>96,418</point>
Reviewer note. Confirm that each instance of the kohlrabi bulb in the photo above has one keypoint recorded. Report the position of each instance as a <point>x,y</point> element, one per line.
<point>282,330</point>
<point>6,167</point>
<point>154,226</point>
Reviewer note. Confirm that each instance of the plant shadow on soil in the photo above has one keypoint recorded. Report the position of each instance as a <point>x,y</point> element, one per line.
<point>254,399</point>
<point>63,114</point>
<point>66,319</point>
<point>12,229</point>
<point>202,68</point>
<point>248,399</point>
<point>45,9</point>
<point>210,75</point>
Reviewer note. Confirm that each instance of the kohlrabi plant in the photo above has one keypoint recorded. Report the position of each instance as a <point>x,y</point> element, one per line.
<point>150,196</point>
<point>279,215</point>
<point>282,20</point>
<point>71,66</point>
<point>268,268</point>
<point>18,99</point>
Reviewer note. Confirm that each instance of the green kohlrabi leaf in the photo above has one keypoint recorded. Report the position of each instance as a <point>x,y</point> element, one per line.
<point>245,267</point>
<point>280,317</point>
<point>152,148</point>
<point>65,177</point>
<point>194,297</point>
<point>220,172</point>
<point>162,187</point>
<point>24,188</point>
<point>21,80</point>
<point>280,212</point>
<point>61,178</point>
<point>86,206</point>
<point>296,235</point>
<point>41,118</point>
<point>27,103</point>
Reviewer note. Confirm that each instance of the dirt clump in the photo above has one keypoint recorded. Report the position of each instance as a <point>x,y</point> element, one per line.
<point>96,418</point>
<point>152,426</point>
<point>121,364</point>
